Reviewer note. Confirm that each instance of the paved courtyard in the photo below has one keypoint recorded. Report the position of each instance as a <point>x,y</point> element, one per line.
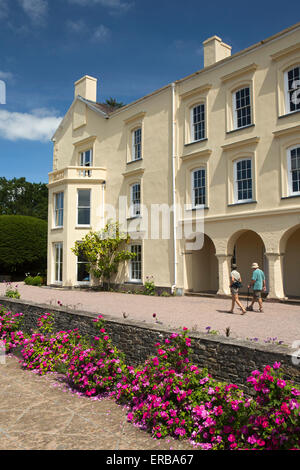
<point>279,320</point>
<point>41,413</point>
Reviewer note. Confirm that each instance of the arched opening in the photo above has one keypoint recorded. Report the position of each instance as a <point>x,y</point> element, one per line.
<point>247,247</point>
<point>290,246</point>
<point>202,269</point>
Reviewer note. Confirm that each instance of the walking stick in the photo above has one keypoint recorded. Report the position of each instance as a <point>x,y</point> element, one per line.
<point>248,308</point>
<point>247,297</point>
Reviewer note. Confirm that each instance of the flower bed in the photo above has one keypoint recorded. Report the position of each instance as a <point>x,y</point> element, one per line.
<point>168,395</point>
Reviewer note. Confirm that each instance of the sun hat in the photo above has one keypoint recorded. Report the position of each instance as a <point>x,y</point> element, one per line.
<point>254,265</point>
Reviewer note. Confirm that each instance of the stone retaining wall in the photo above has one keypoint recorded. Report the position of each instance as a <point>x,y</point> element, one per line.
<point>227,359</point>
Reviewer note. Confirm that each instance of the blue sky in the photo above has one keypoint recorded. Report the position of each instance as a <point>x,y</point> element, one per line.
<point>133,47</point>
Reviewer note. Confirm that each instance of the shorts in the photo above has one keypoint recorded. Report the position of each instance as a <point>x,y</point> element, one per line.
<point>234,290</point>
<point>257,294</point>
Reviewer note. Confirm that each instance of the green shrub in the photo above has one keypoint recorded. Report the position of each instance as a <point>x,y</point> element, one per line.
<point>33,280</point>
<point>23,244</point>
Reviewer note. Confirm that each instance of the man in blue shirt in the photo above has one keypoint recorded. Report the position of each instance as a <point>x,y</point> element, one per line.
<point>258,282</point>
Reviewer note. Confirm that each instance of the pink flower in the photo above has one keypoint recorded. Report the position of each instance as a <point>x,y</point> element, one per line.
<point>251,439</point>
<point>281,383</point>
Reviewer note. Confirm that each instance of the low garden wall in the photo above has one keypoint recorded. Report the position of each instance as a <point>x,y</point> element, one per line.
<point>227,359</point>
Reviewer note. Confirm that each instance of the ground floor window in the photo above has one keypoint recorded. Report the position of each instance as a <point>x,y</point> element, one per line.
<point>58,260</point>
<point>136,263</point>
<point>83,274</point>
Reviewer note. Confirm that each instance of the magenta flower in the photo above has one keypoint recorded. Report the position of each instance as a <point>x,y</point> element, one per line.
<point>281,383</point>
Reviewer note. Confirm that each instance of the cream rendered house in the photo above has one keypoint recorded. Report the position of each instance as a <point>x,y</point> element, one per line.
<point>226,139</point>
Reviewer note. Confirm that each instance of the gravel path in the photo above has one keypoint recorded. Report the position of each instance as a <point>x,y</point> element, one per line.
<point>280,321</point>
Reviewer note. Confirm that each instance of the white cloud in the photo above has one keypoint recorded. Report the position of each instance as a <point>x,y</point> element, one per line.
<point>6,76</point>
<point>120,5</point>
<point>76,26</point>
<point>101,34</point>
<point>3,9</point>
<point>39,125</point>
<point>35,9</point>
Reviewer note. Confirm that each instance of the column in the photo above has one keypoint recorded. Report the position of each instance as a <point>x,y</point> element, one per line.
<point>224,281</point>
<point>276,290</point>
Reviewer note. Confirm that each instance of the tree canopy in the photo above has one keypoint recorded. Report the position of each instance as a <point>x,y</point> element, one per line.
<point>20,197</point>
<point>113,103</point>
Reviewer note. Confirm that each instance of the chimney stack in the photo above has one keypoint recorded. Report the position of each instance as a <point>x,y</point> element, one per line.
<point>215,50</point>
<point>86,87</point>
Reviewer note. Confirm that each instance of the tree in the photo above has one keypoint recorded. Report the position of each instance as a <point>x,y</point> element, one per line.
<point>23,245</point>
<point>20,197</point>
<point>113,103</point>
<point>104,251</point>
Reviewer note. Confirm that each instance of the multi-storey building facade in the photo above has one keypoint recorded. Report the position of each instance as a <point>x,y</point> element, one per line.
<point>225,139</point>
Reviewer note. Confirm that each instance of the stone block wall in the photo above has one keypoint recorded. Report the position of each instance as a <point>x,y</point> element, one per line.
<point>227,359</point>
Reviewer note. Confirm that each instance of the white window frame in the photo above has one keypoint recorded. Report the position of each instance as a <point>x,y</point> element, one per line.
<point>58,250</point>
<point>58,210</point>
<point>131,269</point>
<point>83,160</point>
<point>289,167</point>
<point>86,163</point>
<point>83,207</point>
<point>194,205</point>
<point>136,145</point>
<point>193,124</point>
<point>235,109</point>
<point>135,205</point>
<point>287,91</point>
<point>235,180</point>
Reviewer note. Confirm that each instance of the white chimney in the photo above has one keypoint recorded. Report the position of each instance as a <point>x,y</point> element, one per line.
<point>215,50</point>
<point>86,87</point>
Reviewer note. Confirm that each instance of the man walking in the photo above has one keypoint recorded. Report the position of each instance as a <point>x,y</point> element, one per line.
<point>258,283</point>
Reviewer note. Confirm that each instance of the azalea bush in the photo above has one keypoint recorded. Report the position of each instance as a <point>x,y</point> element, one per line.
<point>47,351</point>
<point>10,329</point>
<point>168,395</point>
<point>98,368</point>
<point>275,423</point>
